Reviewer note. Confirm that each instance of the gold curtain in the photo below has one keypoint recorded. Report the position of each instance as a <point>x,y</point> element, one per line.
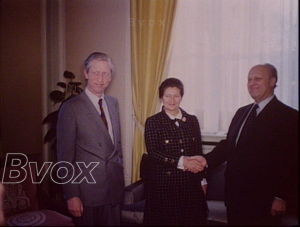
<point>151,27</point>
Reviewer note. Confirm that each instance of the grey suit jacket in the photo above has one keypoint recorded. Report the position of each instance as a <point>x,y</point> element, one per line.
<point>86,149</point>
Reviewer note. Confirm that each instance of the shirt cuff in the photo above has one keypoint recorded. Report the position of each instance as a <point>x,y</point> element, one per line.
<point>180,163</point>
<point>203,182</point>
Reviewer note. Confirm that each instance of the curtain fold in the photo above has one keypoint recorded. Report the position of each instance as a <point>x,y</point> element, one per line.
<point>151,27</point>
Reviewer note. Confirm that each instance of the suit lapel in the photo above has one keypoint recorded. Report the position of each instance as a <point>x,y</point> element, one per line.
<point>237,125</point>
<point>113,114</point>
<point>113,117</point>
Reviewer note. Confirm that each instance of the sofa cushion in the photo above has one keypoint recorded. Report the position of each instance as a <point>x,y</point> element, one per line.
<point>135,192</point>
<point>132,217</point>
<point>18,197</point>
<point>138,206</point>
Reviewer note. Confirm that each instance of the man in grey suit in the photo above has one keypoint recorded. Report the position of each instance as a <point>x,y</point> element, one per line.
<point>89,149</point>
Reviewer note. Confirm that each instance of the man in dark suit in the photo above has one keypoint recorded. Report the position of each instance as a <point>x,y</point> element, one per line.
<point>89,149</point>
<point>262,160</point>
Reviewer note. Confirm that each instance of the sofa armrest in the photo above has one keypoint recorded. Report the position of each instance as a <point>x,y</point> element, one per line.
<point>216,183</point>
<point>215,196</point>
<point>135,192</point>
<point>49,203</point>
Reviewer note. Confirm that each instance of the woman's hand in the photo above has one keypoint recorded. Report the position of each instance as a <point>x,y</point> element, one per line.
<point>194,164</point>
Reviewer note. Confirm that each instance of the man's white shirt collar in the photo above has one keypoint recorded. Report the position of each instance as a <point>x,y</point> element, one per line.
<point>263,103</point>
<point>93,98</point>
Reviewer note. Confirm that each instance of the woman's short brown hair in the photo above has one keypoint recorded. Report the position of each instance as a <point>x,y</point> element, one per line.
<point>171,82</point>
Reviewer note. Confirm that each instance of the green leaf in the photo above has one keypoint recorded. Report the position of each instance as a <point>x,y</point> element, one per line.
<point>51,118</point>
<point>57,96</point>
<point>69,75</point>
<point>62,84</point>
<point>71,89</point>
<point>51,134</point>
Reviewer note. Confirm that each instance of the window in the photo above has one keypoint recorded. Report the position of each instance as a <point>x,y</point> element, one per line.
<point>216,42</point>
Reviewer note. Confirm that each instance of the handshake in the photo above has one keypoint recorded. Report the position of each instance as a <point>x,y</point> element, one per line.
<point>194,164</point>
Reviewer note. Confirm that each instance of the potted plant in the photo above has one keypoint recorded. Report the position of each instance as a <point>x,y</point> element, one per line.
<point>71,89</point>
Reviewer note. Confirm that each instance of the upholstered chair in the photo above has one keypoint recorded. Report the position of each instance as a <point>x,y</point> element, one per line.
<point>23,202</point>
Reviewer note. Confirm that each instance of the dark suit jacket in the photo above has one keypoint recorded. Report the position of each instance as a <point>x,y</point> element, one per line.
<point>83,137</point>
<point>266,165</point>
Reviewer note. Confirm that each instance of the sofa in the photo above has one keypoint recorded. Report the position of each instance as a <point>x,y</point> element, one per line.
<point>135,197</point>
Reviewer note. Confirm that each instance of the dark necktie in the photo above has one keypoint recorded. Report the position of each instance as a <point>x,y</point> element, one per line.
<point>103,114</point>
<point>247,125</point>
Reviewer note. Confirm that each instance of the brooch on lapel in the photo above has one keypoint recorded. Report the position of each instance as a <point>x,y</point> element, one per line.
<point>183,119</point>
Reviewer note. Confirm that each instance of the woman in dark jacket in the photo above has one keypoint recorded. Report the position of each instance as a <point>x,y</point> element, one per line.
<point>175,196</point>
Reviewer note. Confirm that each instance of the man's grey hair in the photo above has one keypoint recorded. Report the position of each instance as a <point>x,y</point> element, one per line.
<point>272,72</point>
<point>101,57</point>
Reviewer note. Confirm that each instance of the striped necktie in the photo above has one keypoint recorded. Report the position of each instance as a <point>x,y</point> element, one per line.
<point>102,113</point>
